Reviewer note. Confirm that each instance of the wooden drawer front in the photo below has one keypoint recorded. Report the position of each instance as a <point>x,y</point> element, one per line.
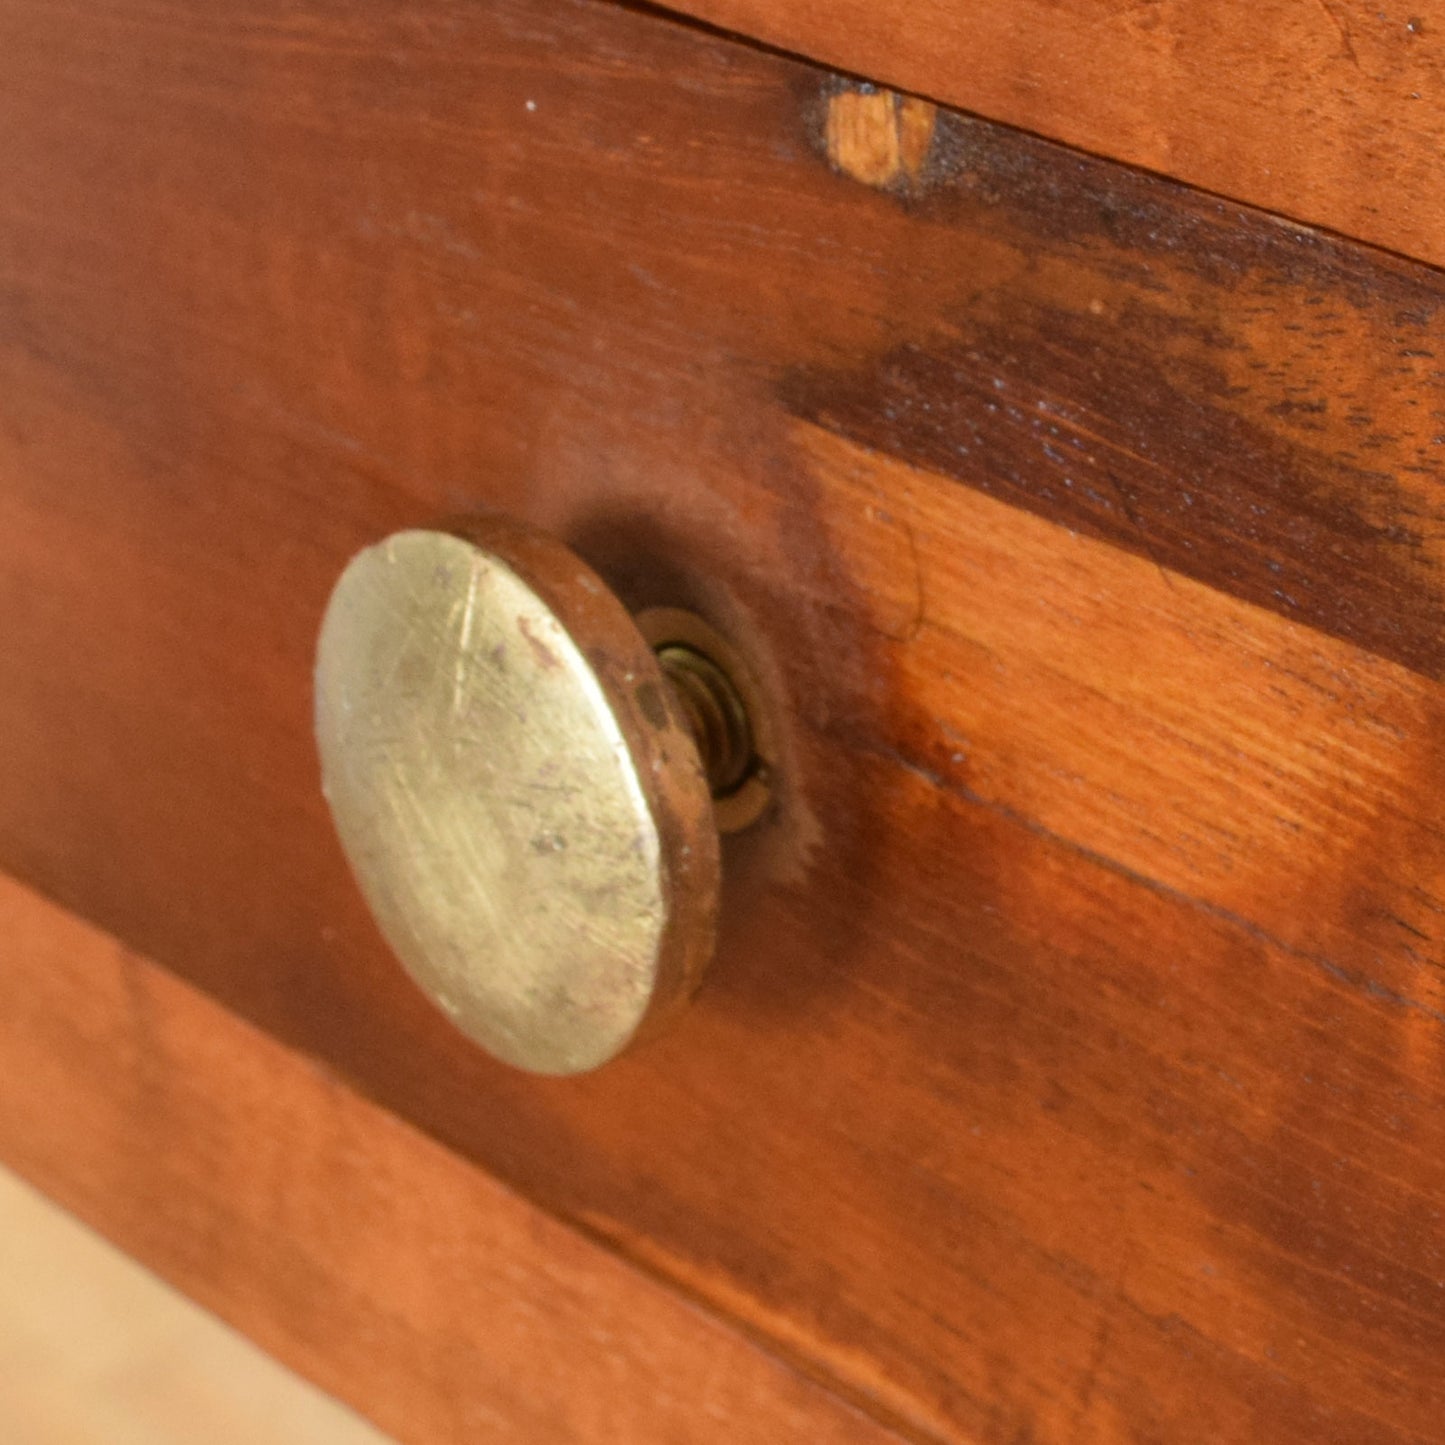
<point>1320,112</point>
<point>1072,1066</point>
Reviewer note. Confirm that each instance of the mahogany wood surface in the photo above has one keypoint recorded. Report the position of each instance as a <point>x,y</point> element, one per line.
<point>1072,1068</point>
<point>1325,110</point>
<point>381,1265</point>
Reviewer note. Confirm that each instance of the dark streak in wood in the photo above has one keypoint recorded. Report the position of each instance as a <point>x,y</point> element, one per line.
<point>1203,437</point>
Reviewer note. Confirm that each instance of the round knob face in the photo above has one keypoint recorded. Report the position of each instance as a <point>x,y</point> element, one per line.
<point>517,792</point>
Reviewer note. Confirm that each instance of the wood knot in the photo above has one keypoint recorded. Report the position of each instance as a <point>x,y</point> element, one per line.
<point>879,137</point>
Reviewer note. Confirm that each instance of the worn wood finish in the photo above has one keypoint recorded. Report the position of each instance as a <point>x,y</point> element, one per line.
<point>381,1265</point>
<point>1072,1069</point>
<point>1326,111</point>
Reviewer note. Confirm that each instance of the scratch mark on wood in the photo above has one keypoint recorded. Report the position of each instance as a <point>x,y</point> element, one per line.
<point>1347,44</point>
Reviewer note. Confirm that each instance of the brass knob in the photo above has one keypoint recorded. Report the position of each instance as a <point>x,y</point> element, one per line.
<point>529,785</point>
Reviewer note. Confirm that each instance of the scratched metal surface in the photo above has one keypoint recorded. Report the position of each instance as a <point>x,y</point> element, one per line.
<point>503,789</point>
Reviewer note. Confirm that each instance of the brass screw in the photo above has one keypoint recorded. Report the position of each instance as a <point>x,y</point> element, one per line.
<point>716,715</point>
<point>724,708</point>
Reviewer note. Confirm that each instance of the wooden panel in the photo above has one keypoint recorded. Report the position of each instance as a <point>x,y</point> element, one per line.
<point>385,1268</point>
<point>1322,111</point>
<point>1072,1069</point>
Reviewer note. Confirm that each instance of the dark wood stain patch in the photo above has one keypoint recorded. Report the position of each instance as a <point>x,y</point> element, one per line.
<point>1113,448</point>
<point>1244,402</point>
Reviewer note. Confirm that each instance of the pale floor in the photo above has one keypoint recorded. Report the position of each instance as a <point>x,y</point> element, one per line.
<point>96,1351</point>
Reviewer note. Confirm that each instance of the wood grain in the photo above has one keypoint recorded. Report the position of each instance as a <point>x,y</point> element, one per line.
<point>1072,1067</point>
<point>382,1266</point>
<point>1324,111</point>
